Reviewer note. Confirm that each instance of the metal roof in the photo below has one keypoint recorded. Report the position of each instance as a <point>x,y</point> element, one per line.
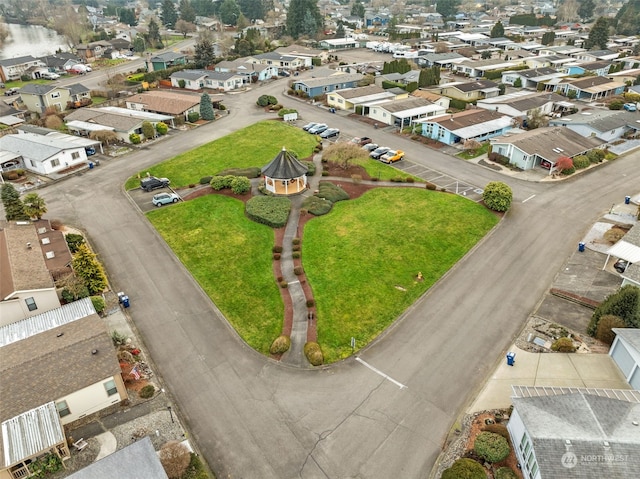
<point>39,323</point>
<point>35,147</point>
<point>142,115</point>
<point>629,395</point>
<point>626,251</point>
<point>31,432</point>
<point>85,125</point>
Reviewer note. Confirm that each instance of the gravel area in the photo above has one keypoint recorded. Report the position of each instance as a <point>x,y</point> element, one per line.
<point>157,425</point>
<point>549,331</point>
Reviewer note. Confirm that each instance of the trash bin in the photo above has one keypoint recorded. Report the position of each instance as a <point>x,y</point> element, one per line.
<point>627,200</point>
<point>511,358</point>
<point>91,165</point>
<point>581,247</point>
<point>125,301</point>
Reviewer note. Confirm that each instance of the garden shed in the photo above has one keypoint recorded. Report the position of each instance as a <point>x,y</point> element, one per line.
<point>285,174</point>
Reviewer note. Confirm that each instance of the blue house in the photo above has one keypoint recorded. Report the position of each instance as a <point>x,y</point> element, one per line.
<point>597,68</point>
<point>316,87</point>
<point>590,88</point>
<point>167,60</point>
<point>476,125</point>
<point>379,20</point>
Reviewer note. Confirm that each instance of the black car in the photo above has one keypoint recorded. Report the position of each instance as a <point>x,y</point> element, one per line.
<point>378,152</point>
<point>152,183</point>
<point>621,265</point>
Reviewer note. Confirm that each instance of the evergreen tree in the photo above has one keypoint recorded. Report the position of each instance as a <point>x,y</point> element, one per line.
<point>128,16</point>
<point>340,33</point>
<point>252,9</point>
<point>34,206</point>
<point>628,18</point>
<point>447,8</point>
<point>498,30</point>
<point>13,207</point>
<point>169,16</point>
<point>303,18</point>
<point>357,10</point>
<point>599,34</point>
<point>153,37</point>
<point>187,12</point>
<point>203,8</point>
<point>86,265</point>
<point>624,303</point>
<point>139,44</point>
<point>204,54</point>
<point>229,12</point>
<point>548,38</point>
<point>585,10</point>
<point>206,108</point>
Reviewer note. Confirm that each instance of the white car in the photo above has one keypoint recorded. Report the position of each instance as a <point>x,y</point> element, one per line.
<point>165,198</point>
<point>50,75</point>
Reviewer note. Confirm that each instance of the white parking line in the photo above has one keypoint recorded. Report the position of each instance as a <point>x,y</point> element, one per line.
<point>527,199</point>
<point>377,371</point>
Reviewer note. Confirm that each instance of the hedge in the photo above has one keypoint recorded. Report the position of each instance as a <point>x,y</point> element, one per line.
<point>491,447</point>
<point>240,185</point>
<point>331,192</point>
<point>317,206</point>
<point>465,469</point>
<point>581,161</point>
<point>269,210</point>
<point>624,303</point>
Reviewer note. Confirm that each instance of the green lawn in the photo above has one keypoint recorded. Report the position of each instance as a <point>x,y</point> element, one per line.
<point>382,171</point>
<point>255,145</point>
<point>362,258</point>
<point>230,257</point>
<point>469,154</point>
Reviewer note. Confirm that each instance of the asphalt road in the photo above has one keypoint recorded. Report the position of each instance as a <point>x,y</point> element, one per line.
<point>255,418</point>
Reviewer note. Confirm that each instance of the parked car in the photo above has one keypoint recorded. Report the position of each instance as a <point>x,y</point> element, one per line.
<point>316,130</point>
<point>365,140</point>
<point>370,146</point>
<point>330,133</point>
<point>12,91</point>
<point>392,156</point>
<point>49,75</point>
<point>90,150</point>
<point>378,152</point>
<point>621,265</point>
<point>309,125</point>
<point>165,198</point>
<point>151,183</point>
<point>630,107</point>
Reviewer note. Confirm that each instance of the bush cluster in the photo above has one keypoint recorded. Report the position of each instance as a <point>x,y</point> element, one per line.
<point>298,270</point>
<point>240,185</point>
<point>465,468</point>
<point>74,241</point>
<point>596,155</point>
<point>222,182</point>
<point>285,111</point>
<point>498,158</point>
<point>497,196</point>
<point>280,345</point>
<point>277,249</point>
<point>317,206</point>
<point>505,473</point>
<point>581,162</point>
<point>147,391</point>
<point>98,303</point>
<point>431,186</point>
<point>624,303</point>
<point>313,353</point>
<point>295,254</point>
<point>162,128</point>
<point>311,167</point>
<point>563,345</point>
<point>134,138</point>
<point>605,325</point>
<point>491,447</point>
<point>331,192</point>
<point>265,100</point>
<point>269,210</point>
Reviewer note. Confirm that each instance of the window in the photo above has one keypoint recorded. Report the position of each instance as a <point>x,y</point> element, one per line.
<point>55,94</point>
<point>31,304</point>
<point>63,408</point>
<point>55,162</point>
<point>111,388</point>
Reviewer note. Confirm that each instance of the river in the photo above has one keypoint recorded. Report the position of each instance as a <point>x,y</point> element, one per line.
<point>31,40</point>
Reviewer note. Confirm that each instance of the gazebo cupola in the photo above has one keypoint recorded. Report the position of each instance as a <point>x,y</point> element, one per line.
<point>285,174</point>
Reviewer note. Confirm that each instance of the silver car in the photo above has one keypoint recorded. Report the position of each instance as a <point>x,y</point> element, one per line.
<point>165,198</point>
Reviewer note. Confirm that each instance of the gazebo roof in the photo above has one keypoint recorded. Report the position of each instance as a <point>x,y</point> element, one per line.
<point>284,166</point>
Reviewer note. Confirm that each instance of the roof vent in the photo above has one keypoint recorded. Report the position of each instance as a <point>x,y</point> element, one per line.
<point>28,245</point>
<point>42,230</point>
<point>46,241</point>
<point>59,335</point>
<point>50,254</point>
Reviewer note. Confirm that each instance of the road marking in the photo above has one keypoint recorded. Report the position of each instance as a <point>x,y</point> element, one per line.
<point>377,371</point>
<point>530,197</point>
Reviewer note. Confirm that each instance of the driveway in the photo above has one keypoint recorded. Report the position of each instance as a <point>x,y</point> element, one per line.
<point>385,415</point>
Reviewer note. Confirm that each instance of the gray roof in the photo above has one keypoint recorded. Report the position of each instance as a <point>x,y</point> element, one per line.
<point>475,85</point>
<point>535,72</point>
<point>332,80</point>
<point>139,460</point>
<point>221,76</point>
<point>523,100</point>
<point>434,57</point>
<point>8,62</point>
<point>275,56</point>
<point>600,120</point>
<point>630,335</point>
<point>284,166</point>
<point>35,147</point>
<point>590,427</point>
<point>190,74</point>
<point>406,104</point>
<point>43,89</point>
<point>167,57</point>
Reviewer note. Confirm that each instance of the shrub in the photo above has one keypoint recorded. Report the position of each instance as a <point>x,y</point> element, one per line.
<point>134,138</point>
<point>605,325</point>
<point>331,192</point>
<point>268,210</point>
<point>284,284</point>
<point>499,429</point>
<point>311,167</point>
<point>596,155</point>
<point>195,470</point>
<point>118,338</point>
<point>497,196</point>
<point>175,459</point>
<point>505,473</point>
<point>193,116</point>
<point>581,161</point>
<point>221,182</point>
<point>162,128</point>
<point>317,206</point>
<point>276,256</point>
<point>430,186</point>
<point>569,171</point>
<point>616,105</point>
<point>563,345</point>
<point>148,131</point>
<point>465,469</point>
<point>70,296</point>
<point>280,345</point>
<point>491,447</point>
<point>564,163</point>
<point>285,111</point>
<point>74,241</point>
<point>98,303</point>
<point>298,270</point>
<point>265,100</point>
<point>295,247</point>
<point>240,185</point>
<point>614,234</point>
<point>295,254</point>
<point>295,241</point>
<point>205,180</point>
<point>56,225</point>
<point>624,303</point>
<point>310,303</point>
<point>277,249</point>
<point>147,391</point>
<point>313,353</point>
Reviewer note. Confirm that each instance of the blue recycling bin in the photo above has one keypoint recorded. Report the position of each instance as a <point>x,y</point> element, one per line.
<point>91,165</point>
<point>125,301</point>
<point>627,200</point>
<point>511,358</point>
<point>581,247</point>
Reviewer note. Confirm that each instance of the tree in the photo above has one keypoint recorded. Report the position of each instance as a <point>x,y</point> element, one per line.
<point>71,23</point>
<point>153,36</point>
<point>175,459</point>
<point>599,34</point>
<point>624,303</point>
<point>357,9</point>
<point>465,469</point>
<point>485,55</point>
<point>568,11</point>
<point>229,12</point>
<point>548,38</point>
<point>128,16</point>
<point>105,136</point>
<point>564,163</point>
<point>605,325</point>
<point>187,12</point>
<point>585,10</point>
<point>447,8</point>
<point>206,108</point>
<point>185,27</point>
<point>303,18</point>
<point>34,206</point>
<point>536,119</point>
<point>340,33</point>
<point>429,76</point>
<point>139,44</point>
<point>13,207</point>
<point>86,265</point>
<point>252,9</point>
<point>517,83</point>
<point>168,15</point>
<point>498,30</point>
<point>628,18</point>
<point>204,54</point>
<point>148,130</point>
<point>497,196</point>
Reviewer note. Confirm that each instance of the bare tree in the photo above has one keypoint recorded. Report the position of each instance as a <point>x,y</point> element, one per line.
<point>72,25</point>
<point>568,11</point>
<point>175,459</point>
<point>185,27</point>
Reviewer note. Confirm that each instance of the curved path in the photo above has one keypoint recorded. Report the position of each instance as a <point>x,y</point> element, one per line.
<point>254,418</point>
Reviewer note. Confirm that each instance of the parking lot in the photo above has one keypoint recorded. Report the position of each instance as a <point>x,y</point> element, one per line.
<point>143,198</point>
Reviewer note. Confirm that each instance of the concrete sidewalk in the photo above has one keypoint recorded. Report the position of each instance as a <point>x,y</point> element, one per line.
<point>547,369</point>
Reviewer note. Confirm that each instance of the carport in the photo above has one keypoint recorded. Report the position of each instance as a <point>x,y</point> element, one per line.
<point>628,248</point>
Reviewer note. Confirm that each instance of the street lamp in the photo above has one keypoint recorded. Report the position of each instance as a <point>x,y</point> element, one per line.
<point>170,414</point>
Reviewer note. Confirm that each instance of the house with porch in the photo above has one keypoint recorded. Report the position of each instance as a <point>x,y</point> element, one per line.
<point>403,113</point>
<point>316,87</point>
<point>302,51</point>
<point>200,79</point>
<point>376,21</point>
<point>607,125</point>
<point>542,147</point>
<point>38,97</point>
<point>589,88</point>
<point>531,78</point>
<point>477,68</point>
<point>595,55</point>
<point>165,60</point>
<point>281,61</point>
<point>476,124</point>
<point>468,91</point>
<point>165,102</point>
<point>599,68</point>
<point>349,98</point>
<point>60,62</point>
<point>37,400</point>
<point>14,68</point>
<point>251,72</point>
<point>520,104</point>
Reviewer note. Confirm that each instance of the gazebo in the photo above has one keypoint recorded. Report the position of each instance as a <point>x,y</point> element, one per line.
<point>285,175</point>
